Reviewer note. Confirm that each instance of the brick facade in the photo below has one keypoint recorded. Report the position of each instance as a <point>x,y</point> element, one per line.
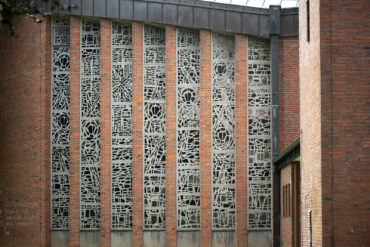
<point>323,97</point>
<point>344,53</point>
<point>290,205</point>
<point>25,134</point>
<point>288,125</point>
<point>334,108</point>
<point>286,217</point>
<point>288,92</point>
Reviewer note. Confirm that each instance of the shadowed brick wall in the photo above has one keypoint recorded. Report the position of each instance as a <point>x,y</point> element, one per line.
<point>286,223</point>
<point>288,119</point>
<point>24,134</point>
<point>334,87</point>
<point>288,92</point>
<point>345,108</point>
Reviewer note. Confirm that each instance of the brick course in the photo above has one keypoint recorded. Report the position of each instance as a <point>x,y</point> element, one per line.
<point>241,138</point>
<point>74,165</point>
<point>171,149</point>
<point>137,134</point>
<point>105,132</point>
<point>205,139</point>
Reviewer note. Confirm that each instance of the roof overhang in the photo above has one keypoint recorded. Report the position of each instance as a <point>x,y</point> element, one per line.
<point>186,13</point>
<point>290,154</point>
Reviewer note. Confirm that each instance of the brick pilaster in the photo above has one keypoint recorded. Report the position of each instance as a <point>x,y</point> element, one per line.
<point>205,139</point>
<point>137,134</point>
<point>241,138</point>
<point>45,130</point>
<point>170,136</point>
<point>105,132</point>
<point>74,170</point>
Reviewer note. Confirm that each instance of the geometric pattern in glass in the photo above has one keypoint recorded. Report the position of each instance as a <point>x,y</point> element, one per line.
<point>223,131</point>
<point>60,124</point>
<point>154,102</point>
<point>90,125</point>
<point>121,117</point>
<point>259,134</point>
<point>188,129</point>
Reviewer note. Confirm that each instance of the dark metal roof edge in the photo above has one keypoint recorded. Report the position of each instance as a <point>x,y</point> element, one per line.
<point>188,13</point>
<point>288,155</point>
<point>290,11</point>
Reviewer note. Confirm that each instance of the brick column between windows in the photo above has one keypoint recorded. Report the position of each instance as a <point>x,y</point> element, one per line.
<point>171,136</point>
<point>241,138</point>
<point>137,134</point>
<point>205,139</point>
<point>45,130</point>
<point>105,132</point>
<point>74,170</point>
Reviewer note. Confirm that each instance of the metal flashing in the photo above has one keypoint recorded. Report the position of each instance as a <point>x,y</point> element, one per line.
<point>188,13</point>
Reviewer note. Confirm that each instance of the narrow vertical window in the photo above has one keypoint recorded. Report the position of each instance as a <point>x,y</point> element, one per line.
<point>223,131</point>
<point>60,124</point>
<point>154,111</point>
<point>284,201</point>
<point>288,200</point>
<point>259,134</point>
<point>309,221</point>
<point>188,130</point>
<point>121,117</point>
<point>90,125</point>
<point>308,19</point>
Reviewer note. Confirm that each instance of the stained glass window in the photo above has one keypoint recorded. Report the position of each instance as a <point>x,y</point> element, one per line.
<point>223,131</point>
<point>60,100</point>
<point>90,125</point>
<point>154,128</point>
<point>188,130</point>
<point>121,126</point>
<point>259,134</point>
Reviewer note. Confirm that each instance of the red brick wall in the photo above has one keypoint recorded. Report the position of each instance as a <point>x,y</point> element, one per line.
<point>105,132</point>
<point>205,139</point>
<point>171,124</point>
<point>241,139</point>
<point>26,142</point>
<point>310,119</point>
<point>137,134</point>
<point>288,92</point>
<point>334,109</point>
<point>286,222</point>
<point>345,59</point>
<point>25,134</point>
<point>74,165</point>
<point>289,223</point>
